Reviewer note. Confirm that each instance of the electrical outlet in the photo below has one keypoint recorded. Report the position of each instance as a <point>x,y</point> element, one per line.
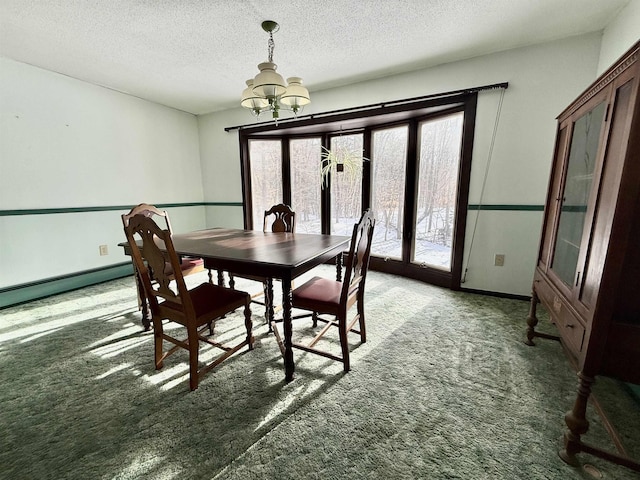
<point>499,260</point>
<point>104,250</point>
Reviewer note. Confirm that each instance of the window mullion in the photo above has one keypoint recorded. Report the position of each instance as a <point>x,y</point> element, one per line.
<point>286,170</point>
<point>411,188</point>
<point>366,169</point>
<point>325,193</point>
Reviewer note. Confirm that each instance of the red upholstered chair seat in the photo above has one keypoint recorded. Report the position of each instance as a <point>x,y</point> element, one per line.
<point>319,294</point>
<point>209,299</point>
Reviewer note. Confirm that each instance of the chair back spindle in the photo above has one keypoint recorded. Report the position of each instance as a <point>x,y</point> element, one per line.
<point>360,250</point>
<point>161,273</point>
<point>284,221</point>
<point>156,268</point>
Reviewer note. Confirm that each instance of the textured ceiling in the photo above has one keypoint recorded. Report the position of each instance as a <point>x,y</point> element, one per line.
<point>194,55</point>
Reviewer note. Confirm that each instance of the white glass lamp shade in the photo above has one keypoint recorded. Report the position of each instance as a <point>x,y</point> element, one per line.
<point>251,100</point>
<point>268,83</point>
<point>296,95</point>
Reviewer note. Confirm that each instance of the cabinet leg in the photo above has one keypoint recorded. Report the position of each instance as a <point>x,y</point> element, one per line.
<point>532,319</point>
<point>576,420</point>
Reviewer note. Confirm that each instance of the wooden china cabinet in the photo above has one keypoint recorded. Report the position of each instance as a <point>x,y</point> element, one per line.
<point>588,271</point>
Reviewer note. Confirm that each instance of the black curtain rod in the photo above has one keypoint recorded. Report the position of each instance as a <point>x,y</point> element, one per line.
<point>373,106</point>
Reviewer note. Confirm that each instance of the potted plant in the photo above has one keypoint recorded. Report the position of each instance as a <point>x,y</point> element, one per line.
<point>340,160</point>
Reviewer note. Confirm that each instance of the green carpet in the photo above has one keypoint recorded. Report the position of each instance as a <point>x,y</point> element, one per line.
<point>443,389</point>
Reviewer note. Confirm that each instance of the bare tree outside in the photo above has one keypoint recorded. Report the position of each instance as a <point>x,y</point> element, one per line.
<point>388,164</point>
<point>306,158</point>
<point>439,161</point>
<point>266,177</point>
<point>346,186</point>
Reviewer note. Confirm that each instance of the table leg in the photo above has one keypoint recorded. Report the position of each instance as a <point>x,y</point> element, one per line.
<point>289,366</point>
<point>268,301</point>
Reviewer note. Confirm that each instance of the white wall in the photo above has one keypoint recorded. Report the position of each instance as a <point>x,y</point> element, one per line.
<point>620,35</point>
<point>66,143</point>
<point>221,176</point>
<point>69,144</point>
<point>543,79</point>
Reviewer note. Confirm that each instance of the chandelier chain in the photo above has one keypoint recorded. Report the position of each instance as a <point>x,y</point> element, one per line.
<point>271,44</point>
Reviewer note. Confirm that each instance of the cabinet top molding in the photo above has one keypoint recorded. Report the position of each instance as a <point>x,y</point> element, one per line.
<point>624,62</point>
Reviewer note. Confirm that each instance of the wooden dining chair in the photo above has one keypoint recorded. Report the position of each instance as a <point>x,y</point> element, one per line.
<point>335,298</point>
<point>188,265</point>
<point>195,309</point>
<point>279,218</point>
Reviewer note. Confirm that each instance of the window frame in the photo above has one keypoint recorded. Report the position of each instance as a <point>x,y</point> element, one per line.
<point>366,121</point>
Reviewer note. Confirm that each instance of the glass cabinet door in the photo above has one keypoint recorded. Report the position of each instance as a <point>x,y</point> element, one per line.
<point>575,195</point>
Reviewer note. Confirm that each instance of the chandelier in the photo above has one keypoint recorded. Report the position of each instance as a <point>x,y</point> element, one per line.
<point>268,92</point>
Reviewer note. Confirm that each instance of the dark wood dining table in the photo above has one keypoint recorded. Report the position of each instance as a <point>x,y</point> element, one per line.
<point>283,256</point>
